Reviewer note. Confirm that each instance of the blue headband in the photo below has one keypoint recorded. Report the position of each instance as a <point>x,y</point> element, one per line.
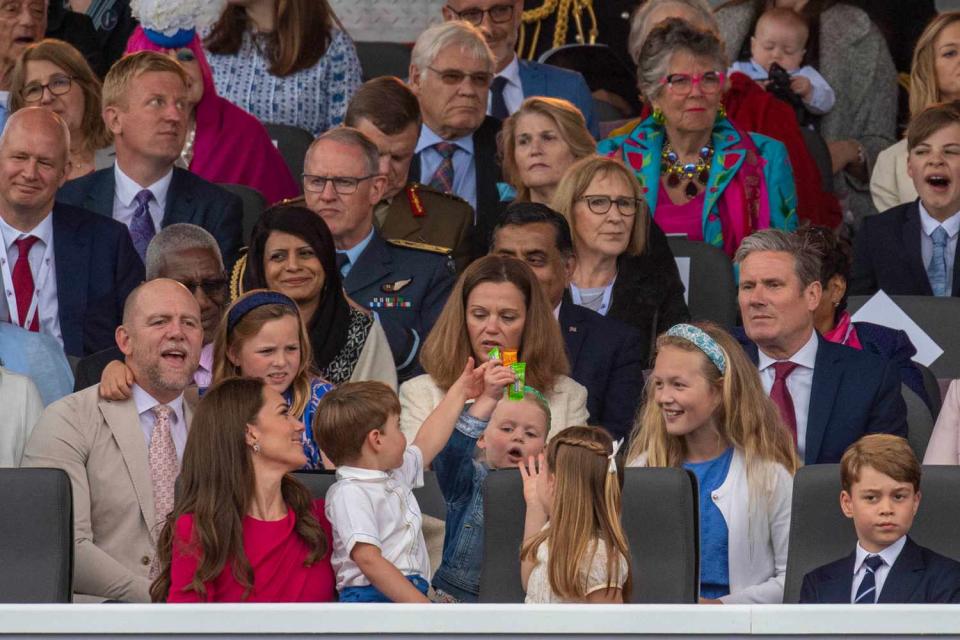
<point>251,302</point>
<point>181,38</point>
<point>701,340</point>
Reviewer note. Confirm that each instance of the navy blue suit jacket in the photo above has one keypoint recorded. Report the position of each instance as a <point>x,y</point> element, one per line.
<point>886,255</point>
<point>97,267</point>
<point>606,356</point>
<point>189,199</point>
<point>538,79</point>
<point>917,576</point>
<point>407,314</point>
<point>854,393</point>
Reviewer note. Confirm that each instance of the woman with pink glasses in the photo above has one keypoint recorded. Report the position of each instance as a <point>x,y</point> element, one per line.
<point>700,175</point>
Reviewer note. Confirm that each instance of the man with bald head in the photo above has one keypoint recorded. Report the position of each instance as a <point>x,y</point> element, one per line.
<point>66,271</point>
<point>123,457</point>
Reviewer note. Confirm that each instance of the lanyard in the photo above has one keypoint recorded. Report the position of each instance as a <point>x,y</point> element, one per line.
<point>39,281</point>
<point>605,302</point>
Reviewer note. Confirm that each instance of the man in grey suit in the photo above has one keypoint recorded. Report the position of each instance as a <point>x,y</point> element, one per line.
<point>405,284</point>
<point>144,106</point>
<point>123,457</point>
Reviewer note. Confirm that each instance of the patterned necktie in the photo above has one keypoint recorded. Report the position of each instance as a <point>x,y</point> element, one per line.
<point>498,104</point>
<point>23,287</point>
<point>141,227</point>
<point>937,269</point>
<point>164,466</point>
<point>442,179</point>
<point>781,397</point>
<point>867,592</point>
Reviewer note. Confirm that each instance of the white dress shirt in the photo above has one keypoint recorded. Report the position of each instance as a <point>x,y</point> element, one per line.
<point>799,383</point>
<point>124,199</point>
<point>929,224</point>
<point>512,91</point>
<point>378,508</point>
<point>889,555</point>
<point>178,424</point>
<point>43,267</point>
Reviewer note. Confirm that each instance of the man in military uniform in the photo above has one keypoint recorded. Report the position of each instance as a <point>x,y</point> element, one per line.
<point>387,112</point>
<point>405,284</point>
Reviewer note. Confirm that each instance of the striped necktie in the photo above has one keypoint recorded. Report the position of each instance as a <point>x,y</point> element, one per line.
<point>442,179</point>
<point>867,593</point>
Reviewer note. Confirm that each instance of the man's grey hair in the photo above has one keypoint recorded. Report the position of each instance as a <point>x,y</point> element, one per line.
<point>30,112</point>
<point>640,26</point>
<point>806,257</point>
<point>175,238</point>
<point>353,138</point>
<point>668,38</point>
<point>456,33</point>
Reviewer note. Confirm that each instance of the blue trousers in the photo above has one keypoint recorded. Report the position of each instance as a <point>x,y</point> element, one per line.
<point>371,594</point>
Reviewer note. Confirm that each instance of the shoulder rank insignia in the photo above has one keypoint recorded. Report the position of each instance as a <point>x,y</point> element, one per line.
<point>393,287</point>
<point>416,204</point>
<point>422,246</point>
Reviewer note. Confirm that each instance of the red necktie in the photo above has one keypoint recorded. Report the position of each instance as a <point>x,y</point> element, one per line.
<point>23,282</point>
<point>781,395</point>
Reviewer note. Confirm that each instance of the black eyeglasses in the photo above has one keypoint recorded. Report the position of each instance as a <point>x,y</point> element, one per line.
<point>213,288</point>
<point>499,13</point>
<point>454,77</point>
<point>600,205</point>
<point>58,85</point>
<point>341,184</point>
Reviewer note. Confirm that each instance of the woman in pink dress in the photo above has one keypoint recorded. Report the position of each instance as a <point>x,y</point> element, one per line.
<point>242,529</point>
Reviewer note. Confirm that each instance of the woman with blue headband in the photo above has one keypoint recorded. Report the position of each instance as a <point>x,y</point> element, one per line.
<point>263,336</point>
<point>706,411</point>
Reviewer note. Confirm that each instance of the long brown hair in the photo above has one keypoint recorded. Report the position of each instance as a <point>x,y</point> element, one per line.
<point>300,37</point>
<point>217,482</point>
<point>586,508</point>
<point>541,347</point>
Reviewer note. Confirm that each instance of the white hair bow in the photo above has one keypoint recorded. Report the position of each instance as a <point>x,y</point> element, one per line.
<point>612,467</point>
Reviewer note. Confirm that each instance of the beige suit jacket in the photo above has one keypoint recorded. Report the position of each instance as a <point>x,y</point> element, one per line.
<point>890,185</point>
<point>100,444</point>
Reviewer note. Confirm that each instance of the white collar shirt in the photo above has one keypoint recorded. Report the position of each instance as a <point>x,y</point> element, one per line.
<point>929,224</point>
<point>43,267</point>
<point>889,555</point>
<point>799,383</point>
<point>513,90</point>
<point>378,508</point>
<point>124,199</point>
<point>178,427</point>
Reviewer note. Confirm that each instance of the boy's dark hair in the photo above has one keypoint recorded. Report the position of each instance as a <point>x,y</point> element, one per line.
<point>890,455</point>
<point>387,103</point>
<point>346,415</point>
<point>524,213</point>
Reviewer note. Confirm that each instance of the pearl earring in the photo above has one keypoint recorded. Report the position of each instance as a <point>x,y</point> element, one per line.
<point>256,447</point>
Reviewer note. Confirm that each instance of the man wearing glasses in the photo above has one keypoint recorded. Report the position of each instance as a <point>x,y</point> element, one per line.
<point>451,68</point>
<point>516,79</point>
<point>404,284</point>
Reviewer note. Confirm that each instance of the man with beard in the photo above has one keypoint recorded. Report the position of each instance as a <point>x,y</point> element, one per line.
<point>123,457</point>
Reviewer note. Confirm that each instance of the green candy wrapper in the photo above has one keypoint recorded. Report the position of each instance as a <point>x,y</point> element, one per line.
<point>515,390</point>
<point>494,354</point>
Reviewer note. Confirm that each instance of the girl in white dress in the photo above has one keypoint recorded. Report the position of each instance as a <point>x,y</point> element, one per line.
<point>574,547</point>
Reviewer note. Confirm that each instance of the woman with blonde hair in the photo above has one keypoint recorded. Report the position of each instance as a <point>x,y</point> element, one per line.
<point>537,144</point>
<point>934,78</point>
<point>624,266</point>
<point>53,75</point>
<point>706,411</point>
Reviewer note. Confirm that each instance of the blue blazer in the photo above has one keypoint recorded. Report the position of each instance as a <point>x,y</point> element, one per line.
<point>97,267</point>
<point>894,345</point>
<point>190,199</point>
<point>886,255</point>
<point>606,356</point>
<point>854,393</point>
<point>917,576</point>
<point>407,311</point>
<point>538,79</point>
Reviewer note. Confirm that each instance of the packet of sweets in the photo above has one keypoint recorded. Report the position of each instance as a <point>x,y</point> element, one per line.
<point>509,357</point>
<point>494,354</point>
<point>515,390</point>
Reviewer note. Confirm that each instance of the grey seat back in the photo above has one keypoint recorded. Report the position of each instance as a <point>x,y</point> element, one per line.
<point>919,421</point>
<point>712,294</point>
<point>292,143</point>
<point>36,536</point>
<point>253,206</point>
<point>383,59</point>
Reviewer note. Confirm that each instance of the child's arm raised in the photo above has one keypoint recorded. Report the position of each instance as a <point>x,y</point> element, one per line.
<point>532,473</point>
<point>116,381</point>
<point>383,575</point>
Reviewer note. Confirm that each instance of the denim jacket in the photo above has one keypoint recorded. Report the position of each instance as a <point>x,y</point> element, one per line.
<point>461,481</point>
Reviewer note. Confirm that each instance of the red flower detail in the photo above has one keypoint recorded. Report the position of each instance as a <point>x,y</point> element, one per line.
<point>730,138</point>
<point>644,189</point>
<point>729,160</point>
<point>713,189</point>
<point>712,217</point>
<point>635,160</point>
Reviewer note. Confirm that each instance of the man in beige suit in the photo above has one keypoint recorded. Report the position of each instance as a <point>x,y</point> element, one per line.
<point>122,457</point>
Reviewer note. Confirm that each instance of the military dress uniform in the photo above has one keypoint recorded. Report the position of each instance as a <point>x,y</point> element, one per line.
<point>422,214</point>
<point>406,284</point>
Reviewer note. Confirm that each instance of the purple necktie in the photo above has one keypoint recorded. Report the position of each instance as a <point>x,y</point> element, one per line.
<point>141,227</point>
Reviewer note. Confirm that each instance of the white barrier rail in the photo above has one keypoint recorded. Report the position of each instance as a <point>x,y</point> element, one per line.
<point>358,621</point>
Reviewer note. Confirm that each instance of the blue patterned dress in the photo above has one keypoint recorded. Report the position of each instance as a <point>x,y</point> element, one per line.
<point>314,99</point>
<point>318,388</point>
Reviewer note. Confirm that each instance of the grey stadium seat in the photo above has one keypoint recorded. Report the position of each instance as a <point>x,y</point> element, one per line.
<point>713,291</point>
<point>253,206</point>
<point>292,143</point>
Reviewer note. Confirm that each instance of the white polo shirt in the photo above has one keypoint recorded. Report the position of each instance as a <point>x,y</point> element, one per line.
<point>378,508</point>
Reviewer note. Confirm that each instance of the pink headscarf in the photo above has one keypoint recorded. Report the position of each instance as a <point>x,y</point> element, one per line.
<point>231,146</point>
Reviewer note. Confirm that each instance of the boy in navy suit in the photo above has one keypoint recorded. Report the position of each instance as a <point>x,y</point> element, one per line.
<point>880,476</point>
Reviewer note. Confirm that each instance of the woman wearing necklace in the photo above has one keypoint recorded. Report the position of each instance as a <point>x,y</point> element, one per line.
<point>700,175</point>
